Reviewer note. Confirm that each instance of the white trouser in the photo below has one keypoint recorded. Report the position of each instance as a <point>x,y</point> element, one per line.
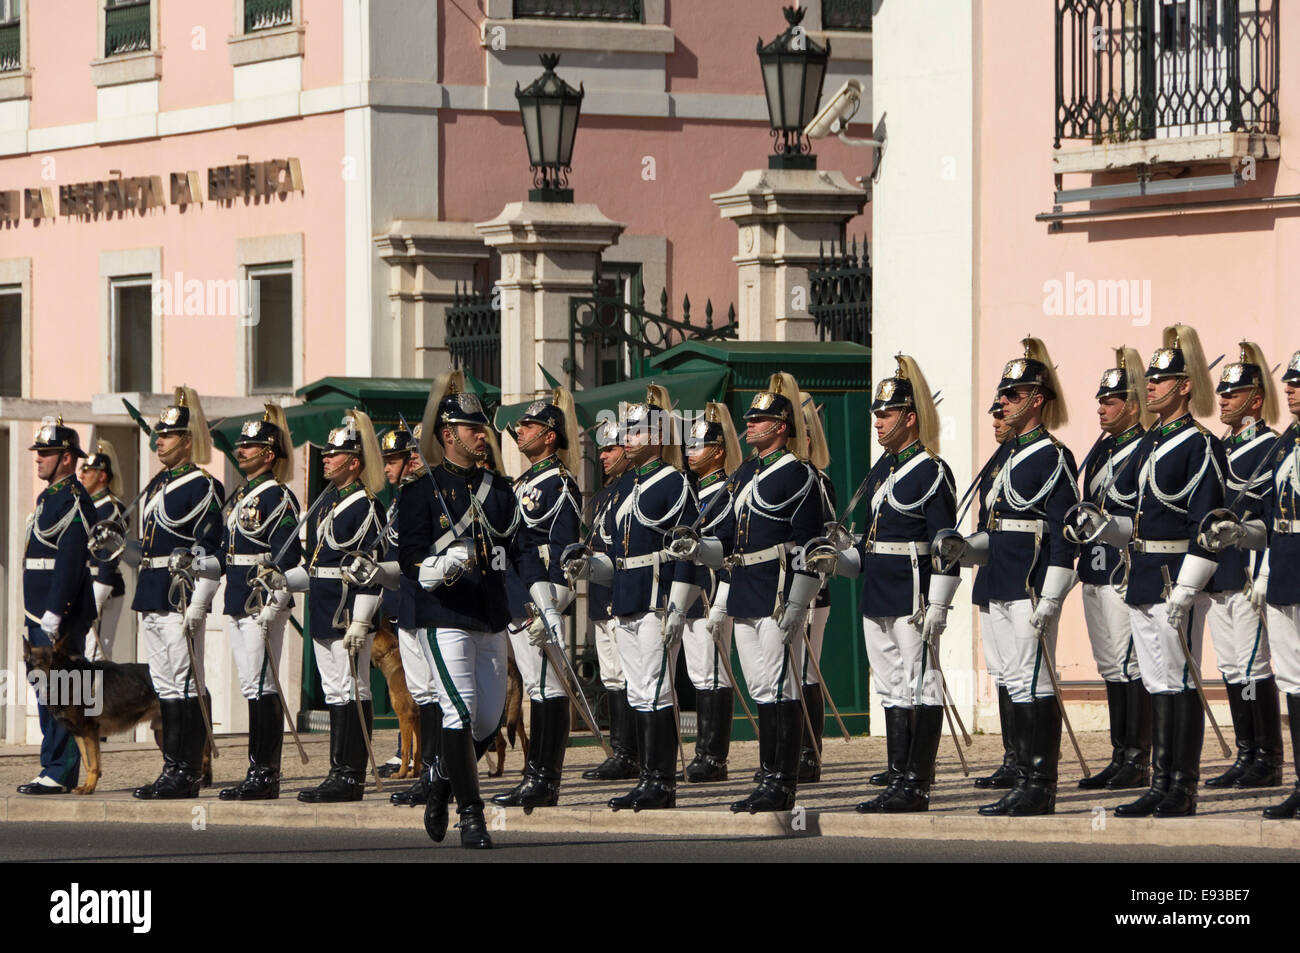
<point>647,665</point>
<point>1110,632</point>
<point>1159,649</point>
<point>541,680</point>
<point>99,640</point>
<point>1284,639</point>
<point>1240,641</point>
<point>471,669</point>
<point>249,649</point>
<point>611,667</point>
<point>703,660</point>
<point>817,618</point>
<point>336,669</point>
<point>896,653</point>
<point>771,668</point>
<point>994,656</point>
<point>1025,676</point>
<point>163,636</point>
<point>415,665</point>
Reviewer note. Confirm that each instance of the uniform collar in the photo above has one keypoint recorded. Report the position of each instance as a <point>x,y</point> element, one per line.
<point>711,478</point>
<point>1175,425</point>
<point>540,465</point>
<point>349,489</point>
<point>650,467</point>
<point>457,469</point>
<point>1247,434</point>
<point>59,485</point>
<point>183,469</point>
<point>911,450</point>
<point>413,476</point>
<point>771,458</point>
<point>1130,434</point>
<point>260,478</point>
<point>1035,434</point>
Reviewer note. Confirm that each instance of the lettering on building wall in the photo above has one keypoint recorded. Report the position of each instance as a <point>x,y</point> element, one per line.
<point>10,208</point>
<point>256,180</point>
<point>111,196</point>
<point>38,203</point>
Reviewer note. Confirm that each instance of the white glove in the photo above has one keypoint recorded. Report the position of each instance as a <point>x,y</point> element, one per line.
<point>200,602</point>
<point>1254,535</point>
<point>354,639</point>
<point>271,611</point>
<point>103,592</point>
<point>718,611</point>
<point>435,569</point>
<point>821,556</point>
<point>1221,535</point>
<point>132,553</point>
<point>1195,572</point>
<point>709,553</point>
<point>1257,588</point>
<point>206,567</point>
<point>1056,586</point>
<point>680,598</point>
<point>50,623</point>
<point>297,579</point>
<point>803,590</point>
<point>939,599</point>
<point>1116,531</point>
<point>548,619</point>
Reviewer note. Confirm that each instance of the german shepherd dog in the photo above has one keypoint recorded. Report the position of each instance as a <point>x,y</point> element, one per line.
<point>119,696</point>
<point>385,656</point>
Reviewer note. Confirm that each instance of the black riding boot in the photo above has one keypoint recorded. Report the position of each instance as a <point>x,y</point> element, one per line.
<point>1243,728</point>
<point>1039,794</point>
<point>430,735</point>
<point>713,742</point>
<point>898,741</point>
<point>777,791</point>
<point>172,711</point>
<point>339,784</point>
<point>767,731</point>
<point>1162,744</point>
<point>1291,806</point>
<point>1137,740</point>
<point>1189,738</point>
<point>186,776</point>
<point>1023,726</point>
<point>1005,775</point>
<point>536,739</point>
<point>1266,771</point>
<point>265,742</point>
<point>660,790</point>
<point>435,806</point>
<point>460,759</point>
<point>913,794</point>
<point>643,722</point>
<point>1117,707</point>
<point>544,789</point>
<point>810,749</point>
<point>622,739</point>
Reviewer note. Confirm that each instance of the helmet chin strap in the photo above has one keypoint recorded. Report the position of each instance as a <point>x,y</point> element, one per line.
<point>763,435</point>
<point>902,415</point>
<point>475,455</point>
<point>1160,403</point>
<point>1233,418</point>
<point>1125,420</point>
<point>1028,404</point>
<point>528,444</point>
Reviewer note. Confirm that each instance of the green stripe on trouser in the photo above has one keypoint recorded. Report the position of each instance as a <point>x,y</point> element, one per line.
<point>541,681</point>
<point>1254,649</point>
<point>659,682</point>
<point>785,666</point>
<point>1038,662</point>
<point>445,677</point>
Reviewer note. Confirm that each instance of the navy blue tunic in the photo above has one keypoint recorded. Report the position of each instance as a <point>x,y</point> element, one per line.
<point>182,507</point>
<point>829,515</point>
<point>106,572</point>
<point>1037,482</point>
<point>270,510</point>
<point>550,511</point>
<point>1284,548</point>
<point>979,593</point>
<point>600,599</point>
<point>777,503</point>
<point>720,522</point>
<point>647,502</point>
<point>350,519</point>
<point>1111,469</point>
<point>1179,479</point>
<point>58,530</point>
<point>1247,455</point>
<point>911,497</point>
<point>484,508</point>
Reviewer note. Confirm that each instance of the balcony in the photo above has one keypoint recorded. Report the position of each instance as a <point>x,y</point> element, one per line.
<point>846,15</point>
<point>11,51</point>
<point>624,11</point>
<point>1165,82</point>
<point>266,14</point>
<point>126,28</point>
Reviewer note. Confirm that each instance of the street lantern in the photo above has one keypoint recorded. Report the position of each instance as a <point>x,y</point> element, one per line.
<point>550,108</point>
<point>794,67</point>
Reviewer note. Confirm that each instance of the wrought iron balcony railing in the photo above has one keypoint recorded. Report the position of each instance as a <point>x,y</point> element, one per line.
<point>474,334</point>
<point>624,10</point>
<point>846,15</point>
<point>126,28</point>
<point>840,302</point>
<point>264,14</point>
<point>10,47</point>
<point>1146,69</point>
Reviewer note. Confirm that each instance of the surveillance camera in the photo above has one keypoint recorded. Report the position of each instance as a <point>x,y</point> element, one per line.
<point>834,116</point>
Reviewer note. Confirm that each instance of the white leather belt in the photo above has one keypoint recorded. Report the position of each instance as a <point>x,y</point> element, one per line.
<point>1163,546</point>
<point>38,563</point>
<point>640,562</point>
<point>325,572</point>
<point>1019,526</point>
<point>1286,527</point>
<point>897,549</point>
<point>758,556</point>
<point>155,562</point>
<point>246,559</point>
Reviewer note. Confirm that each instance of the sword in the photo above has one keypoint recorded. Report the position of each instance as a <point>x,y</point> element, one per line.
<point>803,705</point>
<point>253,605</point>
<point>677,710</point>
<point>361,718</point>
<point>1191,664</point>
<point>948,709</point>
<point>568,678</point>
<point>725,656</point>
<point>826,691</point>
<point>179,589</point>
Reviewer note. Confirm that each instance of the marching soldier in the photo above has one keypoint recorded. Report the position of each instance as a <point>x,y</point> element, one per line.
<point>57,599</point>
<point>262,518</point>
<point>654,591</point>
<point>1278,591</point>
<point>713,453</point>
<point>819,456</point>
<point>622,763</point>
<point>1179,466</point>
<point>179,572</point>
<point>1110,483</point>
<point>459,526</point>
<point>1031,569</point>
<point>549,504</point>
<point>1248,405</point>
<point>905,602</point>
<point>349,520</point>
<point>402,467</point>
<point>778,509</point>
<point>102,479</point>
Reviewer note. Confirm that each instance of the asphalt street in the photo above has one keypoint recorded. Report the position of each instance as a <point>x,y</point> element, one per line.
<point>150,843</point>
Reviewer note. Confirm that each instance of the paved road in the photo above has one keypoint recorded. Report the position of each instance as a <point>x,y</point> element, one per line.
<point>80,843</point>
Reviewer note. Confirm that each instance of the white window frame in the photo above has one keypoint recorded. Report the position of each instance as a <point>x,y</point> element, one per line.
<point>251,274</point>
<point>16,273</point>
<point>285,254</point>
<point>114,332</point>
<point>273,43</point>
<point>652,35</point>
<point>17,83</point>
<point>135,67</point>
<point>136,264</point>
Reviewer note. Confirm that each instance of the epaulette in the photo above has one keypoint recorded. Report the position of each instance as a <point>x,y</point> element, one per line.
<point>1202,428</point>
<point>932,455</point>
